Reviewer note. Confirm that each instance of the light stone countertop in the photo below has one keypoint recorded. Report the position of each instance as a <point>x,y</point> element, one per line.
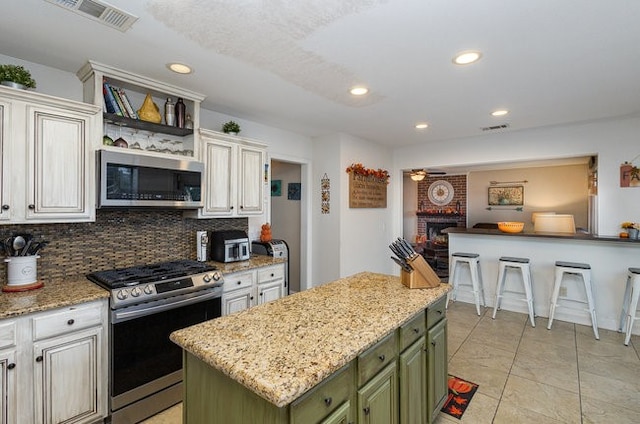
<point>54,294</point>
<point>281,349</point>
<point>255,261</point>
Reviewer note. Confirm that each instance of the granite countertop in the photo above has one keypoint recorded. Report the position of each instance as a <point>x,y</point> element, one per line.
<point>576,236</point>
<point>54,294</point>
<point>255,261</point>
<point>281,349</point>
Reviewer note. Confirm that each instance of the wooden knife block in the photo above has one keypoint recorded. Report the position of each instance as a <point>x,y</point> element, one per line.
<point>422,276</point>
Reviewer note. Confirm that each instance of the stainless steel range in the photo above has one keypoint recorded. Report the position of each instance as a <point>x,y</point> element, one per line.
<point>148,303</point>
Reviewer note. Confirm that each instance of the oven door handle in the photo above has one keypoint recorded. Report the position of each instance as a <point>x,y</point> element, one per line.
<point>144,310</point>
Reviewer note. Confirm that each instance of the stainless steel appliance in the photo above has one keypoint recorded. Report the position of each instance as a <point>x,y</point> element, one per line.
<point>229,246</point>
<point>147,304</point>
<point>277,249</point>
<point>133,180</point>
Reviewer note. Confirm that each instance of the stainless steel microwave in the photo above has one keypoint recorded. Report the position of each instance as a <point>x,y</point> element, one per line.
<point>134,180</point>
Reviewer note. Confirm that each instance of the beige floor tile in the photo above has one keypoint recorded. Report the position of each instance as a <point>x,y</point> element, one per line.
<point>499,336</point>
<point>561,334</point>
<point>443,418</point>
<point>605,348</point>
<point>490,381</point>
<point>508,316</point>
<point>535,348</point>
<point>486,355</point>
<point>508,413</point>
<point>616,392</point>
<point>547,370</point>
<point>172,415</point>
<point>605,335</point>
<point>552,402</point>
<point>598,412</point>
<point>618,369</point>
<point>454,341</point>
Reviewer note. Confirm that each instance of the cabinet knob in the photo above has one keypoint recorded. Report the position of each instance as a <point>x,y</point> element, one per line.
<point>416,330</point>
<point>381,357</point>
<point>71,321</point>
<point>239,282</point>
<point>32,206</point>
<point>273,275</point>
<point>366,410</point>
<point>260,293</point>
<point>433,343</point>
<point>241,207</point>
<point>39,358</point>
<point>327,401</point>
<point>11,366</point>
<point>251,297</point>
<point>5,207</point>
<point>439,312</point>
<point>231,207</point>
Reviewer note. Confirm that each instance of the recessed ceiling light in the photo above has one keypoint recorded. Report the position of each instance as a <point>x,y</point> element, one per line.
<point>359,91</point>
<point>179,68</point>
<point>467,57</point>
<point>422,125</point>
<point>499,112</point>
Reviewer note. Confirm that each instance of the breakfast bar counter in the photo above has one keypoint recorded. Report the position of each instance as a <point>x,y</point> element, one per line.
<point>609,257</point>
<point>282,349</point>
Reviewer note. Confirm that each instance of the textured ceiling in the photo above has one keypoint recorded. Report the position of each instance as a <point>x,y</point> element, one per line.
<point>290,63</point>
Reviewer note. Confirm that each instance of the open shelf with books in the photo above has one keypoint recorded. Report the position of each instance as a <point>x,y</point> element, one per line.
<point>122,93</point>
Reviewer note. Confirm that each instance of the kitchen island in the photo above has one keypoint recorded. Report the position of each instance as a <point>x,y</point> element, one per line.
<point>272,363</point>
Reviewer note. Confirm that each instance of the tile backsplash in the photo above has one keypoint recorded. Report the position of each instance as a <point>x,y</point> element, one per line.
<point>117,239</point>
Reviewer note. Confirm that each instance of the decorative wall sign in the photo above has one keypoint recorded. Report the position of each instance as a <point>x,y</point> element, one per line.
<point>276,188</point>
<point>506,196</point>
<point>367,187</point>
<point>293,191</point>
<point>629,175</point>
<point>325,194</point>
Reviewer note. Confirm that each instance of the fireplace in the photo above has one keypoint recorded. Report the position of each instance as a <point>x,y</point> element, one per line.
<point>434,229</point>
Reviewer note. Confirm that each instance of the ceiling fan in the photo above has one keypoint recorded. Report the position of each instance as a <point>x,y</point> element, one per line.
<point>421,174</point>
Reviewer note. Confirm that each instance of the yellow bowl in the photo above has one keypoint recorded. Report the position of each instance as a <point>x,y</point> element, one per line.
<point>510,227</point>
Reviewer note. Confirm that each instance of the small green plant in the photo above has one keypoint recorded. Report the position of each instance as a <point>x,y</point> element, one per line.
<point>17,74</point>
<point>231,127</point>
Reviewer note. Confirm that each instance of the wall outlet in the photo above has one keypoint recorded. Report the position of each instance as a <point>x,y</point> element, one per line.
<point>563,292</point>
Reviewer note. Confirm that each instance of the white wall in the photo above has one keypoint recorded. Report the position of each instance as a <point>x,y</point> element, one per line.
<point>409,208</point>
<point>613,141</point>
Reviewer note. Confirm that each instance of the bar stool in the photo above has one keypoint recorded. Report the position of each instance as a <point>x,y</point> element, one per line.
<point>473,261</point>
<point>584,271</point>
<point>630,303</point>
<point>522,265</point>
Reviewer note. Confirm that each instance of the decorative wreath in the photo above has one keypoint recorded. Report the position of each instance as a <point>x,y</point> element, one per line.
<point>359,169</point>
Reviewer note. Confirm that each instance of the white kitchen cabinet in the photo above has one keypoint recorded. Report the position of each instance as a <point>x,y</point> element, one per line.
<point>56,370</point>
<point>8,389</point>
<point>242,290</point>
<point>48,147</point>
<point>234,169</point>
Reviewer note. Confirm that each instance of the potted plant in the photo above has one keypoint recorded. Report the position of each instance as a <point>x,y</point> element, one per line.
<point>16,76</point>
<point>231,128</point>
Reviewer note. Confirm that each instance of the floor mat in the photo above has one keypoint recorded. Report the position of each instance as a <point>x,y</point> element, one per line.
<point>460,394</point>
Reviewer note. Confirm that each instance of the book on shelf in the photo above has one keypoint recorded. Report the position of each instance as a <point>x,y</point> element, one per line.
<point>110,101</point>
<point>116,96</point>
<point>127,104</point>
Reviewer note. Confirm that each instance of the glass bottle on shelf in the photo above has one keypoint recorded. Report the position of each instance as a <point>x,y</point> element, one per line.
<point>180,113</point>
<point>188,122</point>
<point>169,112</point>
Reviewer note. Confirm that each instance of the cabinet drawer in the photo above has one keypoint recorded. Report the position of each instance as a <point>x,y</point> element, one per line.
<point>66,321</point>
<point>7,334</point>
<point>270,273</point>
<point>376,357</point>
<point>412,330</point>
<point>237,281</point>
<point>323,399</point>
<point>436,312</point>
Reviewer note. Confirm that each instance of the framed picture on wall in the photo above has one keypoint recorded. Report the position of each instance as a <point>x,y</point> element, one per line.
<point>276,188</point>
<point>294,191</point>
<point>506,196</point>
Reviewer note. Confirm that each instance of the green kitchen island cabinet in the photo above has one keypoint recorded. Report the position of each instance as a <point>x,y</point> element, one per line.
<point>362,349</point>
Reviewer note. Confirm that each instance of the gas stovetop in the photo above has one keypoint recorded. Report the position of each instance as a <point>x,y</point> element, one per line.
<point>144,283</point>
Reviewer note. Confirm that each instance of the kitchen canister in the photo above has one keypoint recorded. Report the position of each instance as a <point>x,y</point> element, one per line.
<point>22,273</point>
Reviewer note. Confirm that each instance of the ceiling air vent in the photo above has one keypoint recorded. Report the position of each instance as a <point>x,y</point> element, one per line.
<point>495,127</point>
<point>99,11</point>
